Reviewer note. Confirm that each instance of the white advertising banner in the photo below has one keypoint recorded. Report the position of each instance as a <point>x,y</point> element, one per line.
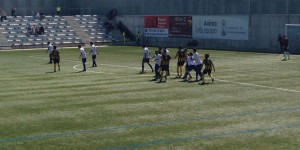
<point>155,32</point>
<point>221,27</point>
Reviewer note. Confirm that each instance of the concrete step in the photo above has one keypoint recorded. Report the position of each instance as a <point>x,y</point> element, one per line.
<point>78,30</point>
<point>4,44</point>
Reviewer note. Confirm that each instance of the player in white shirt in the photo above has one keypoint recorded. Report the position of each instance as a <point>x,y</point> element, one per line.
<point>157,64</point>
<point>190,66</point>
<point>146,58</point>
<point>49,51</point>
<point>82,56</point>
<point>94,53</point>
<point>199,65</point>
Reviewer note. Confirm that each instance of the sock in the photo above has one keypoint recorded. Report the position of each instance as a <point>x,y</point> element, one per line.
<point>180,68</point>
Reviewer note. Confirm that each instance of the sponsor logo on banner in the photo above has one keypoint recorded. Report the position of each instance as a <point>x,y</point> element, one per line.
<point>221,27</point>
<point>156,26</point>
<point>180,26</point>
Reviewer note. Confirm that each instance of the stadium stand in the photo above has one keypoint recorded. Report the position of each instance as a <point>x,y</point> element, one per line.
<point>94,27</point>
<point>65,31</point>
<point>56,30</point>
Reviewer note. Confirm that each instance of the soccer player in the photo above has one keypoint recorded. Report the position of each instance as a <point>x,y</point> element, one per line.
<point>146,58</point>
<point>190,66</point>
<point>164,65</point>
<point>185,58</point>
<point>180,62</point>
<point>82,56</point>
<point>286,48</point>
<point>157,64</point>
<point>199,65</point>
<point>167,52</point>
<point>56,58</point>
<point>49,50</point>
<point>94,54</point>
<point>209,66</point>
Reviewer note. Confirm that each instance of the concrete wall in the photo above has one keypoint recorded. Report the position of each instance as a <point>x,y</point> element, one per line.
<point>263,32</point>
<point>24,7</point>
<point>267,17</point>
<point>156,7</point>
<point>192,7</point>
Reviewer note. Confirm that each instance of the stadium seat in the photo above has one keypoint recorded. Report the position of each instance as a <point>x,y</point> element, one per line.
<point>27,44</point>
<point>56,30</point>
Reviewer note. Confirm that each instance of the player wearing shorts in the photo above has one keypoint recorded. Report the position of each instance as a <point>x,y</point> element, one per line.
<point>94,53</point>
<point>286,52</point>
<point>56,58</point>
<point>146,58</point>
<point>209,66</point>
<point>167,52</point>
<point>199,65</point>
<point>157,64</point>
<point>180,61</point>
<point>82,56</point>
<point>49,51</point>
<point>190,66</point>
<point>164,65</point>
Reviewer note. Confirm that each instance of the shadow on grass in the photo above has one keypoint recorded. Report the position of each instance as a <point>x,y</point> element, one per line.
<point>161,82</point>
<point>50,72</point>
<point>176,78</point>
<point>207,83</point>
<point>193,81</point>
<point>80,71</point>
<point>153,80</point>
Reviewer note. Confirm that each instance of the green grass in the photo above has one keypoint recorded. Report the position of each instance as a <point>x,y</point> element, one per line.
<point>253,104</point>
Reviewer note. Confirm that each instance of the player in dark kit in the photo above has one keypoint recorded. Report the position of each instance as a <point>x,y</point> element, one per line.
<point>209,66</point>
<point>164,65</point>
<point>167,52</point>
<point>56,58</point>
<point>180,62</point>
<point>286,48</point>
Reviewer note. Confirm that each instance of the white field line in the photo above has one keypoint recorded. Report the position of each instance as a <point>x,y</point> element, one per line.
<point>228,81</point>
<point>256,85</point>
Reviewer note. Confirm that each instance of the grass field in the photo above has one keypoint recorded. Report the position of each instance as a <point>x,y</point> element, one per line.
<point>253,104</point>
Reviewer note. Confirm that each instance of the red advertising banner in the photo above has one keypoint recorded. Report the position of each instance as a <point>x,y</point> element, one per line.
<point>157,22</point>
<point>156,26</point>
<point>180,26</point>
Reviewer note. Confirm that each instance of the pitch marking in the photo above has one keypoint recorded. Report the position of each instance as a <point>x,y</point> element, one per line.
<point>228,81</point>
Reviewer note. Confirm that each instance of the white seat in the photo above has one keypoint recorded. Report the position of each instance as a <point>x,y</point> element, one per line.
<point>27,44</point>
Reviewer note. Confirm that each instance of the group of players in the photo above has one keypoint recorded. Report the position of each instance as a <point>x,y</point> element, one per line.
<point>54,55</point>
<point>191,60</point>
